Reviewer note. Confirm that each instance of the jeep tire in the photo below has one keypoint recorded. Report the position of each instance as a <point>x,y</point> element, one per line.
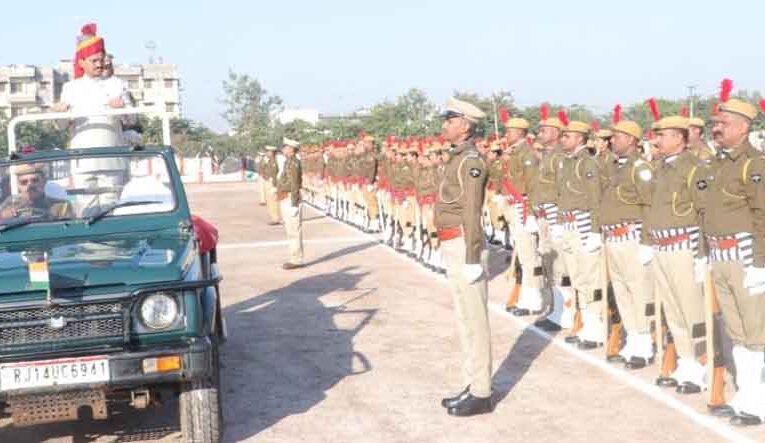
<point>200,410</point>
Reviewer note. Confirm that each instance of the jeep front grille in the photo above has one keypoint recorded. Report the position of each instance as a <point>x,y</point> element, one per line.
<point>54,324</point>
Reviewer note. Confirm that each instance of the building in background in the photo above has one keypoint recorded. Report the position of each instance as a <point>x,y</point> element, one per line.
<point>26,88</point>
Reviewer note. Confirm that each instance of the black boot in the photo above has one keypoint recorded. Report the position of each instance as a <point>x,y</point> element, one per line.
<point>470,406</point>
<point>450,402</point>
<point>744,419</point>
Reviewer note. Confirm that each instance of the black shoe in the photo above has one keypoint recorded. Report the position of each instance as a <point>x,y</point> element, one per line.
<point>744,419</point>
<point>471,405</point>
<point>273,223</point>
<point>586,345</point>
<point>666,382</point>
<point>571,339</point>
<point>615,358</point>
<point>289,266</point>
<point>638,363</point>
<point>523,312</point>
<point>688,388</point>
<point>723,410</point>
<point>450,402</point>
<point>511,309</point>
<point>547,325</point>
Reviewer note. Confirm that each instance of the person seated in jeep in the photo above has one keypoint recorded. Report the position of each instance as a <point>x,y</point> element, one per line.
<point>31,199</point>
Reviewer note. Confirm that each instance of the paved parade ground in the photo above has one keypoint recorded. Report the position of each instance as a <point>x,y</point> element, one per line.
<point>360,346</point>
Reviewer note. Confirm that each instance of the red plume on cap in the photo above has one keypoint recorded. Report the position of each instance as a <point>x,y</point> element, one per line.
<point>654,107</point>
<point>563,117</point>
<point>504,114</point>
<point>89,29</point>
<point>544,111</point>
<point>595,125</point>
<point>617,114</point>
<point>725,89</point>
<point>684,112</point>
<point>762,105</point>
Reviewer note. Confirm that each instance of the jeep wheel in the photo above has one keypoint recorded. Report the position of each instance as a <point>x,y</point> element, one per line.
<point>200,409</point>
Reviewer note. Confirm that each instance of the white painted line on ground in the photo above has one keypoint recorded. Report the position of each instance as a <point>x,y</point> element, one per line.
<point>268,244</point>
<point>634,382</point>
<point>656,393</point>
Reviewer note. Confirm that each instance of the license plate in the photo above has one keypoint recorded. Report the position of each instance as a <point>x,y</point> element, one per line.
<point>40,374</point>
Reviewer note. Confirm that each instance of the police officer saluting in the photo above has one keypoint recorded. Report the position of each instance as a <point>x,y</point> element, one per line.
<point>458,223</point>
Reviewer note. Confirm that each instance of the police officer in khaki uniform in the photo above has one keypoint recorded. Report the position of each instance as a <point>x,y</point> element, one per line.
<point>288,184</point>
<point>696,142</point>
<point>626,197</point>
<point>269,169</point>
<point>543,200</point>
<point>458,220</point>
<point>734,226</point>
<point>680,187</point>
<point>579,192</point>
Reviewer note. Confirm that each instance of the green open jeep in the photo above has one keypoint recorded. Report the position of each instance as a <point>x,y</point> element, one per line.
<point>109,293</point>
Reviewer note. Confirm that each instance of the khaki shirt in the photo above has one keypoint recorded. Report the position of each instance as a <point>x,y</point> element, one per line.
<point>460,198</point>
<point>702,151</point>
<point>523,166</point>
<point>579,185</point>
<point>736,199</point>
<point>626,191</point>
<point>289,181</point>
<point>496,172</point>
<point>679,190</point>
<point>268,167</point>
<point>545,176</point>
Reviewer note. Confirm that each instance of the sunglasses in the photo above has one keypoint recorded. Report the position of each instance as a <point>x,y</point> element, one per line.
<point>29,181</point>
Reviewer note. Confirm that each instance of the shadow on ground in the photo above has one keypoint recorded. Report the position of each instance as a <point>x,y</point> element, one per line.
<point>286,349</point>
<point>517,363</point>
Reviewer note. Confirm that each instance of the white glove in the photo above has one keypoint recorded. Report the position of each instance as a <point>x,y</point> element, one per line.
<point>472,273</point>
<point>754,280</point>
<point>531,226</point>
<point>294,211</point>
<point>592,243</point>
<point>370,188</point>
<point>645,254</point>
<point>700,269</point>
<point>556,232</point>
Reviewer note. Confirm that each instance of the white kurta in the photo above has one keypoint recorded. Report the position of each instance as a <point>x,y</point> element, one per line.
<point>92,95</point>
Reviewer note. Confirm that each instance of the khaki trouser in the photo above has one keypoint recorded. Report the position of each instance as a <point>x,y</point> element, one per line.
<point>682,299</point>
<point>262,190</point>
<point>370,199</point>
<point>744,314</point>
<point>551,255</point>
<point>470,306</point>
<point>406,215</point>
<point>632,283</point>
<point>294,228</point>
<point>272,204</point>
<point>526,245</point>
<point>492,209</point>
<point>584,270</point>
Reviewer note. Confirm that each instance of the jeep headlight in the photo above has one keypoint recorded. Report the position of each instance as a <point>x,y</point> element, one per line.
<point>159,311</point>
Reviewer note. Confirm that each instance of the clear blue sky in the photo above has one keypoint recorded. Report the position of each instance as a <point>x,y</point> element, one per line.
<point>336,56</point>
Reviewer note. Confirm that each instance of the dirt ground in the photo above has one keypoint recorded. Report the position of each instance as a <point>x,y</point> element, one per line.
<point>360,346</point>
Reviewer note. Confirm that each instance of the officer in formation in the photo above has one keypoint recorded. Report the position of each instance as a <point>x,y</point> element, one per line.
<point>648,243</point>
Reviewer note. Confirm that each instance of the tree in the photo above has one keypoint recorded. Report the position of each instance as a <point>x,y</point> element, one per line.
<point>490,106</point>
<point>249,108</point>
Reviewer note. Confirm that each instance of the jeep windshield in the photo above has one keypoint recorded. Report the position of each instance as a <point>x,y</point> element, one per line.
<point>83,187</point>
